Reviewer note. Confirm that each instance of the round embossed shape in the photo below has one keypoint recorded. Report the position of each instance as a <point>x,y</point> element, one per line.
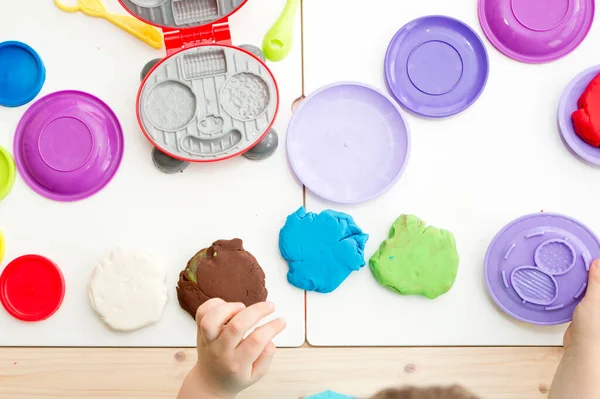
<point>555,257</point>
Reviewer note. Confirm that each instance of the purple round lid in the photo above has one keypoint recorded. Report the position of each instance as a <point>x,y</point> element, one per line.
<point>436,66</point>
<point>536,268</point>
<point>68,145</point>
<point>347,142</point>
<point>566,107</point>
<point>536,31</point>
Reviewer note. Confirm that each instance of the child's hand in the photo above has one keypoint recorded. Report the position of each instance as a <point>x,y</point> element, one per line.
<point>578,373</point>
<point>228,363</point>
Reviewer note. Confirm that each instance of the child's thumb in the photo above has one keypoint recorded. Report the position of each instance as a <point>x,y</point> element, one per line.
<point>593,288</point>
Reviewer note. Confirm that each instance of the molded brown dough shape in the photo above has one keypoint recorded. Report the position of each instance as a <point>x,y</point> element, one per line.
<point>224,270</point>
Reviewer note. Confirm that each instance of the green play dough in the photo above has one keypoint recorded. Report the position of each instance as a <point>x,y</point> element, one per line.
<point>416,259</point>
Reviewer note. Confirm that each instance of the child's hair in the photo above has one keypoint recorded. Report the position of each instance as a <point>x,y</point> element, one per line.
<point>454,392</point>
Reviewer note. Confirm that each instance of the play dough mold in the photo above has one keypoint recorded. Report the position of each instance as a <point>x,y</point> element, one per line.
<point>208,103</point>
<point>181,13</point>
<point>536,267</point>
<point>321,249</point>
<point>224,270</point>
<point>128,290</point>
<point>416,259</point>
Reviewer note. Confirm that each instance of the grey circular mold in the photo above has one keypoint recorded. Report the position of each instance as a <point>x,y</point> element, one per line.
<point>148,67</point>
<point>166,163</point>
<point>181,13</point>
<point>254,50</point>
<point>265,148</point>
<point>207,103</point>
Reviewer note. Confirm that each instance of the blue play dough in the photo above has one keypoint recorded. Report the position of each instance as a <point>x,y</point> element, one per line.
<point>321,250</point>
<point>329,395</point>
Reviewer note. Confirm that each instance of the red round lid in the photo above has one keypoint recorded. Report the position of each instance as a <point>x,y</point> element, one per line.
<point>32,288</point>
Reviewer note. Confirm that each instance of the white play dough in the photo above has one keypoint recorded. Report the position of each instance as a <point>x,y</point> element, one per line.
<point>128,290</point>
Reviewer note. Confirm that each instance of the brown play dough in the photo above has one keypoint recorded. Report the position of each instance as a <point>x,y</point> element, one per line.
<point>224,270</point>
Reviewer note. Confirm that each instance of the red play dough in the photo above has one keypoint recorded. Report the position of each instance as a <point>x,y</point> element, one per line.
<point>586,120</point>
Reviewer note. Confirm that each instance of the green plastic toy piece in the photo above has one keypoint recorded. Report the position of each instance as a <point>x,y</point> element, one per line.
<point>278,41</point>
<point>416,259</point>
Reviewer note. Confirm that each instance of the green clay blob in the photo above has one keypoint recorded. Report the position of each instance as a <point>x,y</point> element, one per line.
<point>192,266</point>
<point>416,259</point>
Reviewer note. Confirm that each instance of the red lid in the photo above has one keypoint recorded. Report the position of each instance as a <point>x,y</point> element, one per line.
<point>32,288</point>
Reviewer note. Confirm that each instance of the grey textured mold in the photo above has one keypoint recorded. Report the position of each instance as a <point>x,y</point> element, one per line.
<point>265,148</point>
<point>167,164</point>
<point>181,13</point>
<point>208,103</point>
<point>254,50</point>
<point>148,67</point>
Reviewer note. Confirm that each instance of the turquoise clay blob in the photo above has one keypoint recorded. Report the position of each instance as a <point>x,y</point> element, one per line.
<point>330,395</point>
<point>416,259</point>
<point>321,249</point>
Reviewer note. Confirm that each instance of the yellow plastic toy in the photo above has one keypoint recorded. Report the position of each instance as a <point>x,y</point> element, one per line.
<point>1,246</point>
<point>131,25</point>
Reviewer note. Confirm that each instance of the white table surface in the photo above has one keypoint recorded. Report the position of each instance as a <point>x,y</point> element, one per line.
<point>169,216</point>
<point>470,174</point>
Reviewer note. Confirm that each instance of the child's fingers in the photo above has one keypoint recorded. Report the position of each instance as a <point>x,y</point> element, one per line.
<point>212,324</point>
<point>253,345</point>
<point>262,364</point>
<point>235,330</point>
<point>592,294</point>
<point>207,307</point>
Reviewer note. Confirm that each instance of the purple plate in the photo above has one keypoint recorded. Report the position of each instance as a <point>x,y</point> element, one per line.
<point>68,145</point>
<point>436,66</point>
<point>347,142</point>
<point>536,31</point>
<point>536,267</point>
<point>566,107</point>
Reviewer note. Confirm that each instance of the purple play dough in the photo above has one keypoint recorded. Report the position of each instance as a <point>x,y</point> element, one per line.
<point>545,293</point>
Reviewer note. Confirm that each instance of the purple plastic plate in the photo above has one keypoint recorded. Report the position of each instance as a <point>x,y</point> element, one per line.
<point>536,31</point>
<point>347,142</point>
<point>436,66</point>
<point>68,145</point>
<point>566,107</point>
<point>536,267</point>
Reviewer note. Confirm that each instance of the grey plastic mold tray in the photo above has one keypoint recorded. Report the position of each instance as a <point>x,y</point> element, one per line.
<point>208,103</point>
<point>181,13</point>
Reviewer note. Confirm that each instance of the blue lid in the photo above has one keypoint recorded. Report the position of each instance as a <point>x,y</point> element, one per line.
<point>22,74</point>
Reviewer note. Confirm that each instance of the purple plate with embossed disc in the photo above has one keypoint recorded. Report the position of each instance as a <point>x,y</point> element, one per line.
<point>436,66</point>
<point>536,267</point>
<point>68,145</point>
<point>347,142</point>
<point>566,107</point>
<point>536,31</point>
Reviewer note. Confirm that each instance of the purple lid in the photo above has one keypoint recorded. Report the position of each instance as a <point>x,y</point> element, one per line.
<point>347,142</point>
<point>68,145</point>
<point>566,107</point>
<point>536,267</point>
<point>436,66</point>
<point>536,31</point>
